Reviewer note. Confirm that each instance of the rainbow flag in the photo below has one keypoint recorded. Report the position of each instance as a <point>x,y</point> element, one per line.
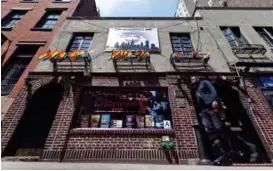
<point>44,56</point>
<point>116,54</point>
<point>146,54</point>
<point>82,54</point>
<point>73,55</point>
<point>126,53</point>
<point>62,55</point>
<point>53,55</point>
<point>176,55</point>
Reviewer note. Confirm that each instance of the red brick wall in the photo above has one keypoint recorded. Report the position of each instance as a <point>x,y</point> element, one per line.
<point>22,32</point>
<point>261,117</point>
<point>134,145</point>
<point>129,145</point>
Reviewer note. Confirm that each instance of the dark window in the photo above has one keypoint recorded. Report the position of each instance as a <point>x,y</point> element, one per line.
<point>16,66</point>
<point>49,20</point>
<point>113,107</point>
<point>12,18</point>
<point>234,36</point>
<point>3,39</point>
<point>266,33</point>
<point>181,43</point>
<point>80,42</point>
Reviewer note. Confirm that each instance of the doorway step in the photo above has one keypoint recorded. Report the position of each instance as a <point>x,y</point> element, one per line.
<point>20,158</point>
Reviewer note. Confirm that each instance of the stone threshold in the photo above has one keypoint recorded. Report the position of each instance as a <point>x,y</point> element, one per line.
<point>21,158</point>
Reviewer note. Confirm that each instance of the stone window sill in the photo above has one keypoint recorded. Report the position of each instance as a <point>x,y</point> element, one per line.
<point>121,131</point>
<point>40,29</point>
<point>22,1</point>
<point>6,28</point>
<point>61,1</point>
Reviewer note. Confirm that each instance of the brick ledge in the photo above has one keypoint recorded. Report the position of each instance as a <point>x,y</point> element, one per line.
<point>124,131</point>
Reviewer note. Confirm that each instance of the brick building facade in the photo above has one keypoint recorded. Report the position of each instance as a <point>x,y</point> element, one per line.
<point>28,33</point>
<point>188,7</point>
<point>66,140</point>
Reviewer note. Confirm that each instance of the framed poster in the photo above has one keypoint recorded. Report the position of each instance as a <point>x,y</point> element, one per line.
<point>133,39</point>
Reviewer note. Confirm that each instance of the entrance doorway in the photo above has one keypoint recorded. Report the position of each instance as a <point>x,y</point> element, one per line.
<point>31,133</point>
<point>242,141</point>
<point>243,138</point>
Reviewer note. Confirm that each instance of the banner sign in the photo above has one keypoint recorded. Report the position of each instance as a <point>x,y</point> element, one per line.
<point>126,54</point>
<point>145,39</point>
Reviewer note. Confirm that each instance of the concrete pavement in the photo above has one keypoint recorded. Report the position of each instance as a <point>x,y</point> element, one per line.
<point>111,166</point>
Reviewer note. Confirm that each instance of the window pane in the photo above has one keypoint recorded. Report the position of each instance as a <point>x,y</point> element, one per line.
<point>177,49</point>
<point>17,65</point>
<point>177,45</point>
<point>12,18</point>
<point>80,42</point>
<point>176,41</point>
<point>85,46</point>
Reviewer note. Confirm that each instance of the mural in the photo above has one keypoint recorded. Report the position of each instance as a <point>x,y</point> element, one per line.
<point>145,39</point>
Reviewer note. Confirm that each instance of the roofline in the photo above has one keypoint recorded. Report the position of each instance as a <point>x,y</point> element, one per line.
<point>234,8</point>
<point>178,2</point>
<point>134,18</point>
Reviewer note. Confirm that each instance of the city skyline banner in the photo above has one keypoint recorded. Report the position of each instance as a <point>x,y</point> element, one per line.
<point>133,39</point>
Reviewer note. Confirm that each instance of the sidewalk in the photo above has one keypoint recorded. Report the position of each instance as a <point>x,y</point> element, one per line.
<point>111,166</point>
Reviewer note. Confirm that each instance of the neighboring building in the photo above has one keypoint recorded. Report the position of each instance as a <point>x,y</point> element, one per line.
<point>187,8</point>
<point>60,108</point>
<point>28,26</point>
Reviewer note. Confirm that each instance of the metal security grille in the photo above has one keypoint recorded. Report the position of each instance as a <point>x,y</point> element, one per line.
<point>13,18</point>
<point>182,44</point>
<point>12,73</point>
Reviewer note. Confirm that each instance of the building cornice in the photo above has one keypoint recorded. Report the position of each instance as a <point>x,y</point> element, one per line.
<point>234,8</point>
<point>134,18</point>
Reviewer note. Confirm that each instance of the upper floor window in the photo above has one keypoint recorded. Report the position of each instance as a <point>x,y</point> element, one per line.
<point>3,39</point>
<point>266,33</point>
<point>12,18</point>
<point>61,0</point>
<point>181,43</point>
<point>80,42</point>
<point>49,20</point>
<point>12,72</point>
<point>234,36</point>
<point>29,0</point>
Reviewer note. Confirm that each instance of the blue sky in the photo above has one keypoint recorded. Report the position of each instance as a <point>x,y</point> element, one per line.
<point>137,8</point>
